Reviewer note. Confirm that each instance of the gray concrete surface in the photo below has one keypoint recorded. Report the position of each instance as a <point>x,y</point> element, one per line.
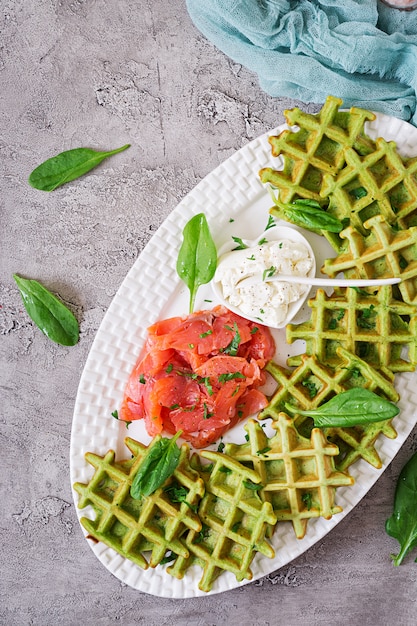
<point>101,74</point>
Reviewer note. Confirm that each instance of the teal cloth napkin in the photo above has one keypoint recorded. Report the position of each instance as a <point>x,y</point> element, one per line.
<point>359,50</point>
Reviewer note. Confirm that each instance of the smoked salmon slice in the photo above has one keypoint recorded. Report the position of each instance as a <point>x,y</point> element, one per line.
<point>199,374</point>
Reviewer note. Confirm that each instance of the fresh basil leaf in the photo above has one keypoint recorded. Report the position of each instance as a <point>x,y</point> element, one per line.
<point>353,407</point>
<point>50,315</point>
<point>158,464</point>
<point>197,258</point>
<point>402,525</point>
<point>67,166</point>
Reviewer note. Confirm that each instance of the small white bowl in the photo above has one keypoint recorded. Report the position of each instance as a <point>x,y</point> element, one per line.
<point>276,233</point>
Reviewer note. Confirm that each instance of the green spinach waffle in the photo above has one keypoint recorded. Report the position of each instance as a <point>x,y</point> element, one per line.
<point>234,520</point>
<point>314,146</point>
<point>384,253</point>
<point>370,324</point>
<point>298,475</point>
<point>311,384</point>
<point>142,530</point>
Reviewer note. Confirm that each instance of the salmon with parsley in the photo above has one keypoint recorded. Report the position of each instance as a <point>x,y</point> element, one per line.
<point>200,374</point>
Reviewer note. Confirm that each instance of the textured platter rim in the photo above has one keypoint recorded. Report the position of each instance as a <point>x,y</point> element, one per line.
<point>228,191</point>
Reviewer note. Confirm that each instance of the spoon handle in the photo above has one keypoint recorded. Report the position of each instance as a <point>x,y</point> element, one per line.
<point>323,282</point>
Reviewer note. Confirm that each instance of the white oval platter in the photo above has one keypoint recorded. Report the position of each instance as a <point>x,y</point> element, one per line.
<point>236,204</point>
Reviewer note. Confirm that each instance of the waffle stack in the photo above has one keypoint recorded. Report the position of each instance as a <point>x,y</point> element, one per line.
<point>315,147</point>
<point>372,333</point>
<point>298,475</point>
<point>142,530</point>
<point>231,502</point>
<point>220,522</point>
<point>311,384</point>
<point>234,519</point>
<point>379,183</point>
<point>328,157</point>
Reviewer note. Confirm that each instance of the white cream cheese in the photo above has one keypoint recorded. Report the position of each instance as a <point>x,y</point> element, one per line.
<point>266,301</point>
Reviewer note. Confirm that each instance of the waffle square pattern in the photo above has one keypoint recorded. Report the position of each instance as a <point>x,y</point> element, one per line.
<point>149,526</point>
<point>311,384</point>
<point>298,474</point>
<point>314,146</point>
<point>373,325</point>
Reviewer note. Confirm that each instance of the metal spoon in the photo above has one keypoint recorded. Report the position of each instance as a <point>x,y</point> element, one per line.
<point>255,279</point>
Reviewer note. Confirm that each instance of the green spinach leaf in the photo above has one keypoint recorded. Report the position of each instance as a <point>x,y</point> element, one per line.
<point>67,166</point>
<point>197,258</point>
<point>402,525</point>
<point>158,464</point>
<point>53,318</point>
<point>308,214</point>
<point>353,407</point>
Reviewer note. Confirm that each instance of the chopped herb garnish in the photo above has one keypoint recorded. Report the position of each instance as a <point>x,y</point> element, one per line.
<point>254,330</point>
<point>307,499</point>
<point>252,486</point>
<point>262,241</point>
<point>360,291</point>
<point>207,414</point>
<point>236,526</point>
<point>364,318</point>
<point>206,334</point>
<point>338,315</point>
<point>207,384</point>
<point>270,271</point>
<point>191,346</point>
<point>311,388</point>
<point>264,450</point>
<point>142,379</point>
<point>402,262</point>
<point>358,193</point>
<point>355,372</point>
<point>251,258</point>
<point>115,414</point>
<point>271,223</point>
<point>233,347</point>
<point>220,447</point>
<point>225,469</point>
<point>178,493</point>
<point>204,532</point>
<point>240,244</point>
<point>223,378</point>
<point>169,368</point>
<point>171,556</point>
